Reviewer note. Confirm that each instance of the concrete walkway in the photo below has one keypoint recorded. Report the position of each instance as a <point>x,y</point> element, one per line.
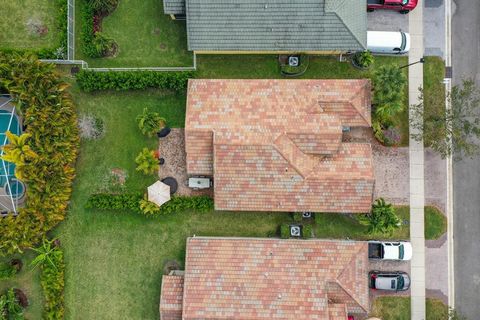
<point>417,187</point>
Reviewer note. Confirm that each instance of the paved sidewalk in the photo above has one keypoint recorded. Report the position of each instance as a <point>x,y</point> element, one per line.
<point>417,192</point>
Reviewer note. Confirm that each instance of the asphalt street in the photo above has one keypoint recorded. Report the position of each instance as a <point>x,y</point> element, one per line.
<point>466,173</point>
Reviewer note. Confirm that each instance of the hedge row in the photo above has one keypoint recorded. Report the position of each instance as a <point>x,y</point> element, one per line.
<point>52,279</point>
<point>58,52</point>
<point>131,201</point>
<point>51,120</point>
<point>127,80</point>
<point>88,34</point>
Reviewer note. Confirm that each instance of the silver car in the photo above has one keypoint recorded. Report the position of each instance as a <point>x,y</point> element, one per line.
<point>390,281</point>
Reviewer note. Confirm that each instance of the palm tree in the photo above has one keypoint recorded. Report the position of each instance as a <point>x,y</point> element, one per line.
<point>147,162</point>
<point>389,83</point>
<point>148,208</point>
<point>382,219</point>
<point>150,122</point>
<point>45,253</point>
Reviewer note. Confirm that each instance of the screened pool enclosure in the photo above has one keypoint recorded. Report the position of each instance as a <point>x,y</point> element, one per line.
<point>12,190</point>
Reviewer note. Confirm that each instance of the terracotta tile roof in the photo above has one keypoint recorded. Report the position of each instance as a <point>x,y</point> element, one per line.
<point>337,311</point>
<point>240,278</point>
<point>286,134</point>
<point>171,300</point>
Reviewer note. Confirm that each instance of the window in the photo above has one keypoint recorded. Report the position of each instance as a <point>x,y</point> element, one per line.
<point>404,41</point>
<point>400,252</point>
<point>404,2</point>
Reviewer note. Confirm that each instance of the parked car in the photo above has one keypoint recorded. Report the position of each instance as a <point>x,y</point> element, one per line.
<point>390,250</point>
<point>402,6</point>
<point>389,42</point>
<point>390,281</point>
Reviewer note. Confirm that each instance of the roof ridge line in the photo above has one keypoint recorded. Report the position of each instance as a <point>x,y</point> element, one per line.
<point>339,282</point>
<point>354,96</point>
<point>282,153</point>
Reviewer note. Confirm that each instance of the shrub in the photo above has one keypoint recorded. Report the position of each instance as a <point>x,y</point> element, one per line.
<point>92,81</point>
<point>363,59</point>
<point>150,122</point>
<point>284,231</point>
<point>10,307</point>
<point>382,219</point>
<point>52,278</point>
<point>307,231</point>
<point>49,114</point>
<point>108,201</point>
<point>103,6</point>
<point>7,271</point>
<point>147,162</point>
<point>131,201</point>
<point>297,217</point>
<point>148,208</point>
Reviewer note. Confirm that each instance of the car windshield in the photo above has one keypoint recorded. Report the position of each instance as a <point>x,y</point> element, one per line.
<point>404,2</point>
<point>404,41</point>
<point>400,252</point>
<point>400,282</point>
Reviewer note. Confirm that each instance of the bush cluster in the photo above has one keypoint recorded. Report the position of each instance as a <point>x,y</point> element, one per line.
<point>95,43</point>
<point>10,307</point>
<point>128,80</point>
<point>58,52</point>
<point>132,201</point>
<point>50,117</point>
<point>52,279</point>
<point>7,270</point>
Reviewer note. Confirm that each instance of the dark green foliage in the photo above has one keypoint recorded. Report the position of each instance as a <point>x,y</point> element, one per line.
<point>103,7</point>
<point>107,201</point>
<point>52,279</point>
<point>10,308</point>
<point>297,217</point>
<point>131,201</point>
<point>128,80</point>
<point>307,231</point>
<point>284,231</point>
<point>382,219</point>
<point>363,59</point>
<point>7,270</point>
<point>88,38</point>
<point>50,116</point>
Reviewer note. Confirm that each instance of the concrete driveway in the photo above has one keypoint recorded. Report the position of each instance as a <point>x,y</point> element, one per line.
<point>387,20</point>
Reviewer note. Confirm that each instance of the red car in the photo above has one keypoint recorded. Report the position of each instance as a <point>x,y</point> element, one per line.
<point>402,6</point>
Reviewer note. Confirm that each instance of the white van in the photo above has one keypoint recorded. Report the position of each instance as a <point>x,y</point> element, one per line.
<point>389,42</point>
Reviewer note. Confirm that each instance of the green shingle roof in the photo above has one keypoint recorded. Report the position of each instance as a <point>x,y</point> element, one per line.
<point>276,25</point>
<point>174,6</point>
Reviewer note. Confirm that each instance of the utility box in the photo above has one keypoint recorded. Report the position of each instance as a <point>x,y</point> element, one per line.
<point>199,183</point>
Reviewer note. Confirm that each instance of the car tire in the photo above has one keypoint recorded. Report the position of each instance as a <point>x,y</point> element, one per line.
<point>404,11</point>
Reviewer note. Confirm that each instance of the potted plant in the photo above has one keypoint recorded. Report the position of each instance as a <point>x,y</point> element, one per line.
<point>363,60</point>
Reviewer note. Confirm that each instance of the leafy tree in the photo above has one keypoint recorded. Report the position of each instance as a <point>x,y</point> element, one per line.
<point>364,59</point>
<point>381,219</point>
<point>45,254</point>
<point>449,132</point>
<point>18,151</point>
<point>150,122</point>
<point>147,162</point>
<point>389,83</point>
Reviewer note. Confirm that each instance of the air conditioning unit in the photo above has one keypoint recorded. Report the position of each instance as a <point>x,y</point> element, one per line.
<point>307,214</point>
<point>295,231</point>
<point>294,61</point>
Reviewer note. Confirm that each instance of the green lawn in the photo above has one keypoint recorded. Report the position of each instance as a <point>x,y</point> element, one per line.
<point>28,280</point>
<point>21,21</point>
<point>398,308</point>
<point>331,225</point>
<point>145,36</point>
